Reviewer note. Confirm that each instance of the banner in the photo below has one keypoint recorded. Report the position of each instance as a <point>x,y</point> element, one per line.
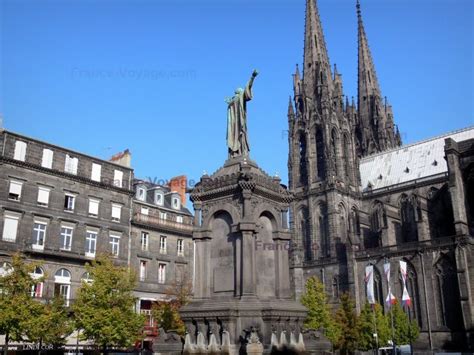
<point>406,301</point>
<point>390,300</point>
<point>369,280</point>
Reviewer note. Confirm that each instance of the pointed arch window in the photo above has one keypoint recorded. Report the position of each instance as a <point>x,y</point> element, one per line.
<point>334,141</point>
<point>320,154</point>
<point>447,300</point>
<point>347,157</point>
<point>323,232</point>
<point>303,166</point>
<point>409,215</point>
<point>335,287</point>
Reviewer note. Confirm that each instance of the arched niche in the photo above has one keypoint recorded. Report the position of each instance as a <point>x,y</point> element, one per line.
<point>266,249</point>
<point>222,254</point>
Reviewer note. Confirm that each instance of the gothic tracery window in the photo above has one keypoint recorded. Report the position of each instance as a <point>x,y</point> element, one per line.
<point>334,141</point>
<point>409,214</point>
<point>320,155</point>
<point>303,166</point>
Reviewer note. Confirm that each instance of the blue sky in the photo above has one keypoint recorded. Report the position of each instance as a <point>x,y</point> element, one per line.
<point>152,76</point>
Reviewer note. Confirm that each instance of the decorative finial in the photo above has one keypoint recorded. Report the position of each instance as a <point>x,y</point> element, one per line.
<point>204,172</point>
<point>358,9</point>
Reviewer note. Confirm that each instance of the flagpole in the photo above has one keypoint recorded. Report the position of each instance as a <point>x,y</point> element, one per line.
<point>409,327</point>
<point>375,331</point>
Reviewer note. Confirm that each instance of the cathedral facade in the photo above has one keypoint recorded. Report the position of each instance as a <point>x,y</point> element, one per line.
<point>362,198</point>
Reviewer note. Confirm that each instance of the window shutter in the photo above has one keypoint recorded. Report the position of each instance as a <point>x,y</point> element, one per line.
<point>118,177</point>
<point>43,195</point>
<point>116,211</point>
<point>94,207</point>
<point>15,187</point>
<point>10,228</point>
<point>20,151</point>
<point>47,161</point>
<point>96,169</point>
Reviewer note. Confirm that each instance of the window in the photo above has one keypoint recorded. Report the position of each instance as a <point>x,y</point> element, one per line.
<point>10,226</point>
<point>176,203</point>
<point>14,193</point>
<point>37,289</point>
<point>62,285</point>
<point>115,244</point>
<point>144,211</point>
<point>144,239</point>
<point>162,215</point>
<point>39,234</point>
<point>95,174</point>
<point>69,202</point>
<point>141,194</point>
<point>20,151</point>
<point>118,177</point>
<point>159,198</point>
<point>162,244</point>
<point>70,165</point>
<point>116,212</point>
<point>93,207</point>
<point>91,243</point>
<point>87,278</point>
<point>161,273</point>
<point>180,247</point>
<point>5,269</point>
<point>43,196</point>
<point>47,161</point>
<point>179,219</point>
<point>142,270</point>
<point>66,237</point>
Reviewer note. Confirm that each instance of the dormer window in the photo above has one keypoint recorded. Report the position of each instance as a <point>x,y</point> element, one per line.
<point>141,193</point>
<point>159,198</point>
<point>175,203</point>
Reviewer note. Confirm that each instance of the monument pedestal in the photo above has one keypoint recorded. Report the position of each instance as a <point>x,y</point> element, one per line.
<point>242,299</point>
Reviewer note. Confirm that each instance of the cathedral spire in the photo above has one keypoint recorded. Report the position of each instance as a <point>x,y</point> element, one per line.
<point>377,127</point>
<point>317,70</point>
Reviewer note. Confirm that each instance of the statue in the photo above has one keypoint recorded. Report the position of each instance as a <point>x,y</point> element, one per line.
<point>237,139</point>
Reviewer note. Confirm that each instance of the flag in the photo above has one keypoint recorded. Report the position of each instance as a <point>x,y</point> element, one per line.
<point>406,300</point>
<point>369,280</point>
<point>390,300</point>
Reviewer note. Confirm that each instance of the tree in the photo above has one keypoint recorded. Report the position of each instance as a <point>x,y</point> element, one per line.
<point>405,331</point>
<point>366,327</point>
<point>52,325</point>
<point>16,304</point>
<point>346,321</point>
<point>166,312</point>
<point>104,308</point>
<point>319,313</point>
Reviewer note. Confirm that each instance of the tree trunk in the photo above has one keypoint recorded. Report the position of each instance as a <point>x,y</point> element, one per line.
<point>7,339</point>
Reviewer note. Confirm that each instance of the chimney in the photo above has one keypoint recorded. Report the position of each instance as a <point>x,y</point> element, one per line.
<point>178,184</point>
<point>123,158</point>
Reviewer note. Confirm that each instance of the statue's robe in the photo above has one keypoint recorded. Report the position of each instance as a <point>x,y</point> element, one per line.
<point>237,139</point>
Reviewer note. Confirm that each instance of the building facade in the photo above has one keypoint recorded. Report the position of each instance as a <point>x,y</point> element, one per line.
<point>162,247</point>
<point>361,198</point>
<point>61,208</point>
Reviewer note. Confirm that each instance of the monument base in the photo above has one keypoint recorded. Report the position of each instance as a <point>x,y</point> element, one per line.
<point>244,325</point>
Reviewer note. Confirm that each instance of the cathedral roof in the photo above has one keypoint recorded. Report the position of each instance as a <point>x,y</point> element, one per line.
<point>408,163</point>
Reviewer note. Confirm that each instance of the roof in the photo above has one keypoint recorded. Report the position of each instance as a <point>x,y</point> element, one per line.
<point>150,195</point>
<point>410,162</point>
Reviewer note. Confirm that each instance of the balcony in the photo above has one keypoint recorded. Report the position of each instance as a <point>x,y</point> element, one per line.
<point>185,228</point>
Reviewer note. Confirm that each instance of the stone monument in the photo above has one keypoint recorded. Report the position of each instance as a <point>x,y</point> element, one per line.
<point>242,299</point>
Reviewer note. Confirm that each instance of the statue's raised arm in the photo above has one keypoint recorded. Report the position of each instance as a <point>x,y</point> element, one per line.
<point>237,139</point>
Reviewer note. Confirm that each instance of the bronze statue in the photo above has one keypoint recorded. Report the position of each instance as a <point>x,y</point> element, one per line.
<point>237,139</point>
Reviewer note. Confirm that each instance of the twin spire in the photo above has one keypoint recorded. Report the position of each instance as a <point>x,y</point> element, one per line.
<point>375,119</point>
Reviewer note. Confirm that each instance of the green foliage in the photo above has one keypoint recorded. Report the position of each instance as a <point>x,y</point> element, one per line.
<point>166,313</point>
<point>366,327</point>
<point>16,304</point>
<point>346,321</point>
<point>104,308</point>
<point>319,313</point>
<point>405,331</point>
<point>51,325</point>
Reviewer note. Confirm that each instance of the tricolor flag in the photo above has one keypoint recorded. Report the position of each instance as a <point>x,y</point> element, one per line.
<point>369,280</point>
<point>406,301</point>
<point>390,300</point>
